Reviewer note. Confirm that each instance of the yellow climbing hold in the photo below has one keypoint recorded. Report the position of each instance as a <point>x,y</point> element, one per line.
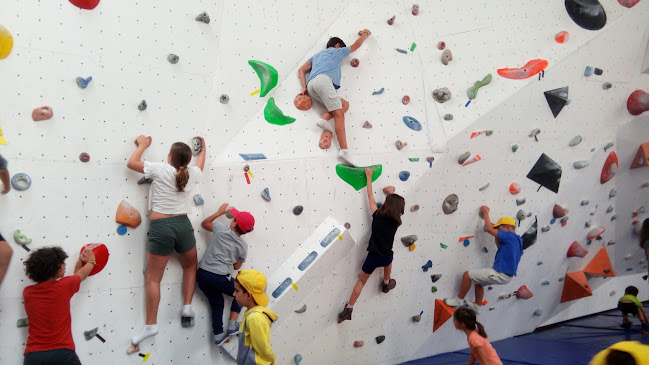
<point>412,247</point>
<point>340,237</point>
<point>294,286</point>
<point>2,139</point>
<point>255,92</point>
<point>6,42</point>
<point>250,173</point>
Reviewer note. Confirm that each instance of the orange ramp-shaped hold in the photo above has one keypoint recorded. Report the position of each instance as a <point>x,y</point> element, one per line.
<point>530,69</point>
<point>576,250</point>
<point>600,265</point>
<point>127,215</point>
<point>442,314</point>
<point>575,286</point>
<point>640,159</point>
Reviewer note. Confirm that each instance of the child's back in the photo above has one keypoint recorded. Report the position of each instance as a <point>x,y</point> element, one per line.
<point>328,62</point>
<point>224,250</point>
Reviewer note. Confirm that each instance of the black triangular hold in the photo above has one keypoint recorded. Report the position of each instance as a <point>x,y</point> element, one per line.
<point>546,172</point>
<point>557,99</point>
<point>529,237</point>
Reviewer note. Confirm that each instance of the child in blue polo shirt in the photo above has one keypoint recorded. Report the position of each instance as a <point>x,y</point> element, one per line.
<point>510,250</point>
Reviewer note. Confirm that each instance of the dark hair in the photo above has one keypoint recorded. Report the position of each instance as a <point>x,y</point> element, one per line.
<point>467,317</point>
<point>238,229</point>
<point>393,207</point>
<point>335,40</point>
<point>631,290</point>
<point>617,357</point>
<point>181,155</point>
<point>242,287</point>
<point>44,263</point>
<point>644,233</point>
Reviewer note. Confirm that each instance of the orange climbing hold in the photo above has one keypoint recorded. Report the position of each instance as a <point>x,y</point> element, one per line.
<point>530,69</point>
<point>442,314</point>
<point>640,159</point>
<point>523,293</point>
<point>575,286</point>
<point>514,188</point>
<point>576,250</point>
<point>628,3</point>
<point>464,238</point>
<point>638,102</point>
<point>600,265</point>
<point>302,102</point>
<point>562,37</point>
<point>610,168</point>
<point>325,140</point>
<point>127,215</point>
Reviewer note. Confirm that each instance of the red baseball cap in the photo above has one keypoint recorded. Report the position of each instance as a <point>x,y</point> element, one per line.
<point>245,220</point>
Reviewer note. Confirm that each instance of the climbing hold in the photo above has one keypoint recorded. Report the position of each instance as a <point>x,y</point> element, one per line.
<point>580,164</point>
<point>588,14</point>
<point>198,199</point>
<point>607,85</point>
<point>600,264</point>
<point>430,159</point>
<point>400,144</point>
<point>641,158</point>
<point>101,256</point>
<point>197,146</point>
<point>610,168</point>
<point>538,312</point>
<point>483,187</point>
<point>588,71</point>
<point>588,224</point>
<point>530,69</point>
<point>450,204</point>
<point>359,343</point>
<point>545,229</point>
<point>608,145</point>
<point>173,59</point>
<point>427,266</point>
<point>404,175</point>
<point>378,92</point>
<point>539,263</point>
<point>83,83</point>
<point>473,159</point>
<point>520,202</point>
<point>595,232</point>
<point>6,42</point>
<point>575,141</point>
<point>575,286</point>
<point>127,215</point>
<point>298,359</point>
<point>489,132</point>
<point>557,99</point>
<point>405,100</point>
<point>638,102</point>
<point>628,3</point>
<point>412,247</point>
<point>401,50</point>
<point>367,125</point>
<point>433,289</point>
<point>84,157</point>
<point>409,240</point>
<point>252,156</point>
<point>391,20</point>
<point>514,188</point>
<point>545,282</point>
<point>274,115</point>
<point>529,237</point>
<point>142,106</point>
<point>347,226</point>
<point>576,250</point>
<point>443,245</point>
<point>267,74</point>
<point>416,318</point>
<point>22,322</point>
<point>613,217</point>
<point>224,99</point>
<point>42,113</point>
<point>355,176</point>
<point>448,117</point>
<point>441,45</point>
<point>415,9</point>
<point>412,123</point>
<point>354,62</point>
<point>523,293</point>
<point>414,208</point>
<point>442,95</point>
<point>463,157</point>
<point>609,209</point>
<point>302,102</point>
<point>584,202</point>
<point>143,180</point>
<point>85,4</point>
<point>301,310</point>
<point>515,147</point>
<point>21,238</point>
<point>520,215</point>
<point>475,134</point>
<point>472,92</point>
<point>121,230</point>
<point>559,211</point>
<point>21,181</point>
<point>297,210</point>
<point>562,37</point>
<point>598,71</point>
<point>447,56</point>
<point>266,194</point>
<point>380,339</point>
<point>546,172</point>
<point>203,17</point>
<point>435,277</point>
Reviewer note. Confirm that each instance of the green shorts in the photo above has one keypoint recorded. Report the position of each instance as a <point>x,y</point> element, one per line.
<point>169,234</point>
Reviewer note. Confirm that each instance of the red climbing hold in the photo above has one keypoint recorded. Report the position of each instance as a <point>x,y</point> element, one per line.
<point>415,9</point>
<point>610,168</point>
<point>42,113</point>
<point>514,188</point>
<point>562,37</point>
<point>595,232</point>
<point>405,100</point>
<point>559,211</point>
<point>302,102</point>
<point>325,140</point>
<point>442,314</point>
<point>127,215</point>
<point>575,286</point>
<point>530,69</point>
<point>101,256</point>
<point>85,4</point>
<point>600,265</point>
<point>576,250</point>
<point>640,159</point>
<point>355,62</point>
<point>628,3</point>
<point>638,102</point>
<point>523,293</point>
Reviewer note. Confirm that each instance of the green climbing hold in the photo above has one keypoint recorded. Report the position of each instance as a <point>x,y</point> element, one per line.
<point>413,159</point>
<point>473,90</point>
<point>274,115</point>
<point>355,176</point>
<point>267,75</point>
<point>443,245</point>
<point>433,289</point>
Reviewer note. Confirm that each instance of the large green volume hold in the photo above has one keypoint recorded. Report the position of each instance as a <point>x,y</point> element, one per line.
<point>274,115</point>
<point>267,75</point>
<point>355,176</point>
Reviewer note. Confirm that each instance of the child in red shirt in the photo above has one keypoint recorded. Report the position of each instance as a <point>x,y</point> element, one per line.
<point>47,304</point>
<point>465,320</point>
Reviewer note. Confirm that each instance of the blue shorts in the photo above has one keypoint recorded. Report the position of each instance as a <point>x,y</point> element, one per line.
<point>373,261</point>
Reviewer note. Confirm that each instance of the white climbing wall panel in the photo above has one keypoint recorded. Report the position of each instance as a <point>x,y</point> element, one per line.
<point>124,44</point>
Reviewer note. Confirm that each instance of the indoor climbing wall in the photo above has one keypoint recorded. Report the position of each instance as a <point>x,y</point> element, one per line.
<point>194,78</point>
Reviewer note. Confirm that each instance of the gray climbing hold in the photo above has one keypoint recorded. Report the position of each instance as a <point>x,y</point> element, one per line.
<point>520,202</point>
<point>539,263</point>
<point>613,217</point>
<point>173,59</point>
<point>588,71</point>
<point>483,187</point>
<point>514,147</point>
<point>380,339</point>
<point>564,219</point>
<point>485,250</point>
<point>143,180</point>
<point>450,204</point>
<point>645,185</point>
<point>367,125</point>
<point>520,215</point>
<point>545,282</point>
<point>608,145</point>
<point>465,156</point>
<point>347,226</point>
<point>609,209</point>
<point>607,85</point>
<point>448,117</point>
<point>203,17</point>
<point>588,223</point>
<point>430,159</point>
<point>83,83</point>
<point>301,310</point>
<point>198,200</point>
<point>575,141</point>
<point>580,164</point>
<point>409,240</point>
<point>224,99</point>
<point>442,95</point>
<point>435,277</point>
<point>142,106</point>
<point>585,202</point>
<point>612,193</point>
<point>538,312</point>
<point>447,56</point>
<point>197,146</point>
<point>545,229</point>
<point>610,243</point>
<point>561,279</point>
<point>529,214</point>
<point>21,182</point>
<point>266,194</point>
<point>298,210</point>
<point>22,322</point>
<point>416,318</point>
<point>535,133</point>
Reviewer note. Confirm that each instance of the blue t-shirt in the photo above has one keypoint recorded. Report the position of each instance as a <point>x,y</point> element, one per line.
<point>328,62</point>
<point>509,253</point>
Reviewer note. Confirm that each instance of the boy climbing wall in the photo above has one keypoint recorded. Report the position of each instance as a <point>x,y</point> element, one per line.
<point>322,86</point>
<point>510,250</point>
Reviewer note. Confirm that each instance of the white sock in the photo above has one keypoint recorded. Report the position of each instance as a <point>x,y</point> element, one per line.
<point>232,324</point>
<point>326,125</point>
<point>386,282</point>
<point>146,332</point>
<point>349,306</point>
<point>187,311</point>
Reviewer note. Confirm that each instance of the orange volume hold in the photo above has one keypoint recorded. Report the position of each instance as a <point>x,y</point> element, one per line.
<point>530,69</point>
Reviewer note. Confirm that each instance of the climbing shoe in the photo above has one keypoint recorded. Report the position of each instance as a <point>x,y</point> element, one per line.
<point>389,286</point>
<point>345,315</point>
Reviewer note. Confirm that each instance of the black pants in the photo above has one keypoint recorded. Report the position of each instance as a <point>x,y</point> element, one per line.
<point>214,286</point>
<point>52,357</point>
<point>628,308</point>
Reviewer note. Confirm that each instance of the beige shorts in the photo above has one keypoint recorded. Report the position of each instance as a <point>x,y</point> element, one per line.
<point>489,276</point>
<point>322,90</point>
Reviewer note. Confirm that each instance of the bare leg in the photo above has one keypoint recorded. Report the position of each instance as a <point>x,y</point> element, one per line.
<point>465,286</point>
<point>642,315</point>
<point>339,120</point>
<point>625,318</point>
<point>189,263</point>
<point>479,294</point>
<point>386,273</point>
<point>328,115</point>
<point>362,280</point>
<point>155,268</point>
<point>6,182</point>
<point>5,257</point>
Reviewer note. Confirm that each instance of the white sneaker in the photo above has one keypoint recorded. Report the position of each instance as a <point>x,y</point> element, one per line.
<point>474,306</point>
<point>327,125</point>
<point>346,157</point>
<point>454,302</point>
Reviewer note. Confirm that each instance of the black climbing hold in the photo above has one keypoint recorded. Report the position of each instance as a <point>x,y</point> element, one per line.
<point>142,105</point>
<point>485,250</point>
<point>380,339</point>
<point>172,58</point>
<point>435,277</point>
<point>557,99</point>
<point>203,17</point>
<point>529,237</point>
<point>224,99</point>
<point>598,71</point>
<point>588,14</point>
<point>144,180</point>
<point>298,210</point>
<point>546,172</point>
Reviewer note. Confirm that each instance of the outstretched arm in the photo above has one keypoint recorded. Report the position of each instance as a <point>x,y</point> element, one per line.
<point>363,36</point>
<point>135,163</point>
<point>370,194</point>
<point>200,160</point>
<point>487,221</point>
<point>306,67</point>
<point>85,264</point>
<point>207,223</point>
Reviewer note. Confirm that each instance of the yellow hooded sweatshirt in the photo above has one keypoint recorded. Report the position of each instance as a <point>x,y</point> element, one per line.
<point>254,337</point>
<point>639,352</point>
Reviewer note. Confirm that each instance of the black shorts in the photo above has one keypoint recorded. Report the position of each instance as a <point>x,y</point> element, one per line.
<point>628,308</point>
<point>52,357</point>
<point>373,261</point>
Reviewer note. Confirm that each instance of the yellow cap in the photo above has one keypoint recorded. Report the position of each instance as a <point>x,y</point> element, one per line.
<point>506,220</point>
<point>255,283</point>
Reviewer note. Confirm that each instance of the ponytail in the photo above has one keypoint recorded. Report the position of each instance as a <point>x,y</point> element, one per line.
<point>480,329</point>
<point>467,317</point>
<point>180,156</point>
<point>182,177</point>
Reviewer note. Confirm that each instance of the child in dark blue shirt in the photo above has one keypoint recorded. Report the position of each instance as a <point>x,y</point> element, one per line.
<point>510,250</point>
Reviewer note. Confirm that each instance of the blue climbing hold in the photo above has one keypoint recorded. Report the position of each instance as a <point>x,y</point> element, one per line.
<point>401,50</point>
<point>412,123</point>
<point>21,182</point>
<point>545,282</point>
<point>539,262</point>
<point>298,359</point>
<point>266,194</point>
<point>83,83</point>
<point>121,230</point>
<point>428,265</point>
<point>198,199</point>
<point>379,205</point>
<point>404,175</point>
<point>378,92</point>
<point>252,156</point>
<point>588,71</point>
<point>467,243</point>
<point>553,221</point>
